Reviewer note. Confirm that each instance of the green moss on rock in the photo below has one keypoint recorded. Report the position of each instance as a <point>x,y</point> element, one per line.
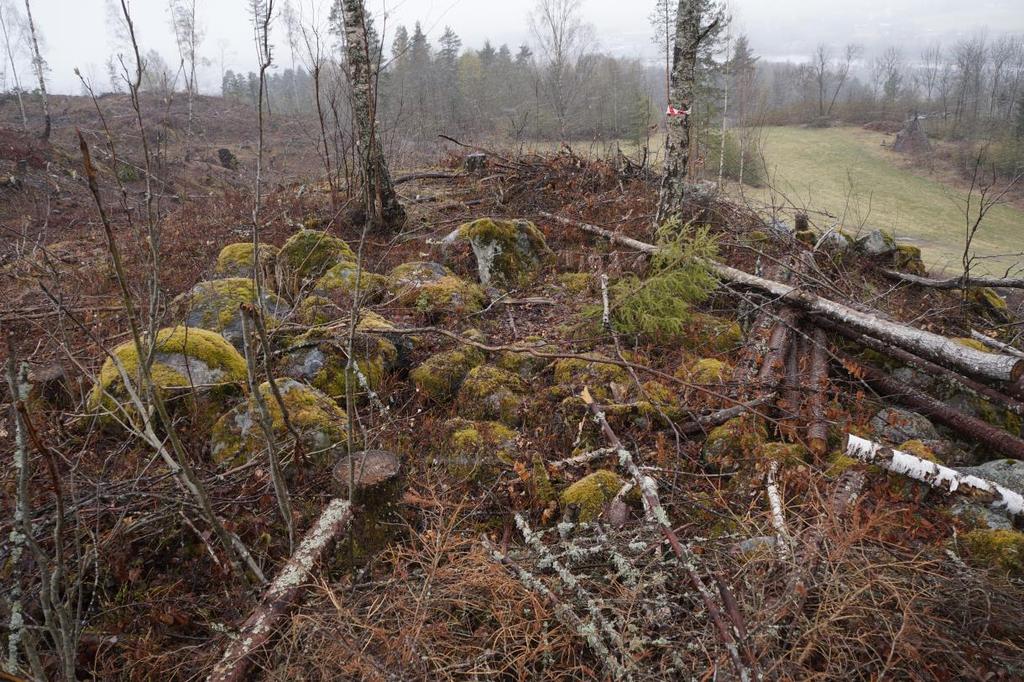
<point>307,255</point>
<point>986,301</point>
<point>907,258</point>
<point>809,237</point>
<point>478,450</point>
<point>786,454</point>
<point>590,494</point>
<point>434,290</point>
<point>321,424</point>
<point>489,392</point>
<point>526,365</point>
<point>919,449</point>
<point>706,371</point>
<point>734,443</point>
<point>1002,550</point>
<point>235,260</point>
<point>441,375</point>
<point>323,363</point>
<point>214,306</point>
<point>508,252</point>
<point>186,359</point>
<point>597,376</point>
<point>339,284</point>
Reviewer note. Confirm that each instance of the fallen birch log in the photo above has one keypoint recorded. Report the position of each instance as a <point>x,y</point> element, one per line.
<point>971,427</point>
<point>958,282</point>
<point>936,347</point>
<point>996,344</point>
<point>817,431</point>
<point>934,369</point>
<point>935,475</point>
<point>282,593</point>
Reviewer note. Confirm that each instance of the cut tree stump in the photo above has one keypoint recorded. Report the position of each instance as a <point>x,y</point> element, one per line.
<point>378,490</point>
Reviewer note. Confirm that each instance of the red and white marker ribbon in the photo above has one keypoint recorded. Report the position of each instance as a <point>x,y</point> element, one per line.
<point>672,111</point>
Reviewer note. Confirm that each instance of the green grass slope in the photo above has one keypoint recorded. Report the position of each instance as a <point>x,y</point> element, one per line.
<point>847,173</point>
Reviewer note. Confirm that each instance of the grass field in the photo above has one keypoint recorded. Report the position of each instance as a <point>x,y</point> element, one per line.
<point>848,174</point>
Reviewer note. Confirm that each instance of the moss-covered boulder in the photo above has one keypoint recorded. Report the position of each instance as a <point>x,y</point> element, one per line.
<point>710,334</point>
<point>526,365</point>
<point>809,237</point>
<point>235,260</point>
<point>877,243</point>
<point>786,454</point>
<point>604,379</point>
<point>705,371</point>
<point>214,305</point>
<point>987,302</point>
<point>322,362</point>
<point>306,256</point>
<point>434,290</point>
<point>441,375</point>
<point>187,360</point>
<point>734,443</point>
<point>489,392</point>
<point>508,252</point>
<point>478,450</point>
<point>316,311</point>
<point>1000,550</point>
<point>589,495</point>
<point>320,423</point>
<point>338,285</point>
<point>920,449</point>
<point>907,258</point>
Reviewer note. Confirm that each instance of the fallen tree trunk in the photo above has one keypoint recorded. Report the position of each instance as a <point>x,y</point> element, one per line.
<point>939,348</point>
<point>958,282</point>
<point>710,421</point>
<point>970,385</point>
<point>817,431</point>
<point>995,344</point>
<point>282,593</point>
<point>935,475</point>
<point>970,427</point>
<point>427,175</point>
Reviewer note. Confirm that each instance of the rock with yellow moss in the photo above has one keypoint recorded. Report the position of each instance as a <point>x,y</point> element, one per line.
<point>236,260</point>
<point>338,285</point>
<point>907,258</point>
<point>321,425</point>
<point>508,252</point>
<point>321,360</point>
<point>577,282</point>
<point>489,392</point>
<point>987,301</point>
<point>710,334</point>
<point>1000,550</point>
<point>527,365</point>
<point>478,450</point>
<point>186,361</point>
<point>734,443</point>
<point>306,256</point>
<point>705,371</point>
<point>604,379</point>
<point>588,496</point>
<point>434,290</point>
<point>441,375</point>
<point>214,305</point>
<point>316,311</point>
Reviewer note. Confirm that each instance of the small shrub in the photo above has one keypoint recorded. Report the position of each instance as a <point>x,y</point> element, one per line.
<point>659,304</point>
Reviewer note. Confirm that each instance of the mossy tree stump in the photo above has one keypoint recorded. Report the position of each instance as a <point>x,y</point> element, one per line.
<point>376,492</point>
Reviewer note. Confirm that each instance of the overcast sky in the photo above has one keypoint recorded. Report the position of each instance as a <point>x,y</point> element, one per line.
<point>75,31</point>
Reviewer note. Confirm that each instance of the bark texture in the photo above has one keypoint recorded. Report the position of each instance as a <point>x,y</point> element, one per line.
<point>40,67</point>
<point>281,594</point>
<point>383,208</point>
<point>682,84</point>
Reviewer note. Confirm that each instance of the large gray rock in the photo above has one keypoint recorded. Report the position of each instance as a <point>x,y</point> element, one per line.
<point>834,241</point>
<point>1008,473</point>
<point>898,426</point>
<point>877,243</point>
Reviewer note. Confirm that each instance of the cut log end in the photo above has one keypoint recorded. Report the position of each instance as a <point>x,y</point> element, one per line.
<point>369,469</point>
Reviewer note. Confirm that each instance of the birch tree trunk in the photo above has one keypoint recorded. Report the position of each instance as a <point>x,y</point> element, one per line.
<point>40,67</point>
<point>14,69</point>
<point>682,84</point>
<point>383,208</point>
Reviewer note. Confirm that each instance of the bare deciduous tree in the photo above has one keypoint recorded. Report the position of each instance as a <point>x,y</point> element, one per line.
<point>8,16</point>
<point>40,66</point>
<point>188,35</point>
<point>563,40</point>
